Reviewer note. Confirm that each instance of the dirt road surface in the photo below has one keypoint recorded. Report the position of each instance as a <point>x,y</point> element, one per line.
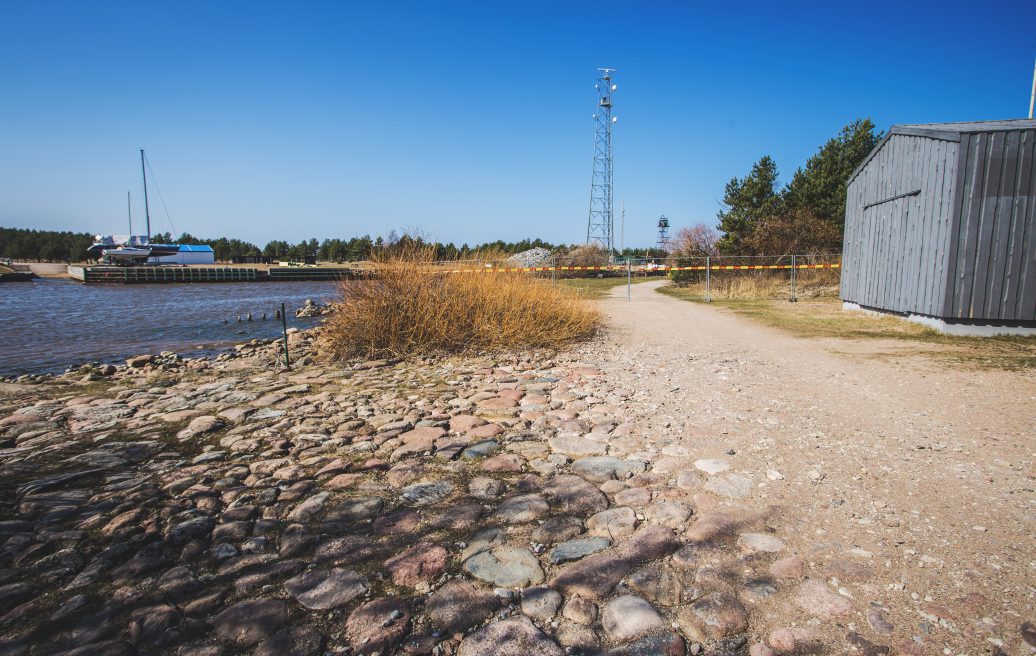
<point>905,488</point>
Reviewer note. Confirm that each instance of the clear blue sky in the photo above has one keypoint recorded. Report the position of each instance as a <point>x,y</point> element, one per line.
<point>470,121</point>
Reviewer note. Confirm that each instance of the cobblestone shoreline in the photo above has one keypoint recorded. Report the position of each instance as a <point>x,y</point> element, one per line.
<point>444,506</point>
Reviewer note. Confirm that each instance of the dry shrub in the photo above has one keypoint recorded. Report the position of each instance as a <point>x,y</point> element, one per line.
<point>696,241</point>
<point>412,305</point>
<point>796,231</point>
<point>589,255</point>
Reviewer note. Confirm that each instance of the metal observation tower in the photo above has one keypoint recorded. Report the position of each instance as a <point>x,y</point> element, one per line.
<point>663,234</point>
<point>600,228</point>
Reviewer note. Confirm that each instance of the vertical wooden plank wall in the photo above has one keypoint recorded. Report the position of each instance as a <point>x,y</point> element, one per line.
<point>898,211</point>
<point>993,268</point>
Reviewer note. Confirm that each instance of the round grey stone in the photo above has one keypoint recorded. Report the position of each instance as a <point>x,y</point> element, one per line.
<point>628,617</point>
<point>505,567</point>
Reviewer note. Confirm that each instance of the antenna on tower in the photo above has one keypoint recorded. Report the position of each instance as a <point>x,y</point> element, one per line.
<point>600,229</point>
<point>663,234</point>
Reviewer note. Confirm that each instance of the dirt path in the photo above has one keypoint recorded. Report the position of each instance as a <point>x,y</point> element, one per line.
<point>905,486</point>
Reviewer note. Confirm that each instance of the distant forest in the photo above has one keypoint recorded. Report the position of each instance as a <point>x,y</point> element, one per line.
<point>51,246</point>
<point>44,245</point>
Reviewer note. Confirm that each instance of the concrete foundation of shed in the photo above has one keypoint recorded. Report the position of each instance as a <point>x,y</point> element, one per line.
<point>948,327</point>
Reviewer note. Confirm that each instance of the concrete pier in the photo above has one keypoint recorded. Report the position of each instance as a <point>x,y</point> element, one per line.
<point>173,274</point>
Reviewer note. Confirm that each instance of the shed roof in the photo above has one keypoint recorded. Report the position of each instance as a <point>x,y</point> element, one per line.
<point>946,132</point>
<point>195,248</point>
<point>974,126</point>
<point>952,131</point>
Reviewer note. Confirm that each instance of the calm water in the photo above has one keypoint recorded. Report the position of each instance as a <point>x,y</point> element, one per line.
<point>49,324</point>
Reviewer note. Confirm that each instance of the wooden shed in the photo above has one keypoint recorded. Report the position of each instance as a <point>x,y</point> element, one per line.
<point>940,225</point>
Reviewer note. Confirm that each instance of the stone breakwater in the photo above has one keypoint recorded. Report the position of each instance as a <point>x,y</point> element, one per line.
<point>442,507</point>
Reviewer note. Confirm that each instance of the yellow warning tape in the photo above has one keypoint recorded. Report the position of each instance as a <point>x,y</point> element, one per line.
<point>641,268</point>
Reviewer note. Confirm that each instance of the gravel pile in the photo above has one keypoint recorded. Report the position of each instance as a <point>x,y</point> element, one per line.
<point>533,257</point>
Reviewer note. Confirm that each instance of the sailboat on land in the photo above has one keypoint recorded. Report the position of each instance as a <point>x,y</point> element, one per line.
<point>131,249</point>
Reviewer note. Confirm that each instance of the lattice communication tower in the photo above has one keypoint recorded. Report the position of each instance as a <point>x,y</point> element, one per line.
<point>600,228</point>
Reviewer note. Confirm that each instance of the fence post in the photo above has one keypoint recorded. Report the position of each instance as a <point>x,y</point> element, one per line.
<point>284,326</point>
<point>708,279</point>
<point>554,271</point>
<point>794,274</point>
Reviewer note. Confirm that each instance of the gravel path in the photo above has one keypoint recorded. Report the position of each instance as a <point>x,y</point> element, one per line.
<point>903,485</point>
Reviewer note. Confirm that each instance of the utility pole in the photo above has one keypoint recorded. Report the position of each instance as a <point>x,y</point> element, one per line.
<point>1032,96</point>
<point>600,229</point>
<point>622,232</point>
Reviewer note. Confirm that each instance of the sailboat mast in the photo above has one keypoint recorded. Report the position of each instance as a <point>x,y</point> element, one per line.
<point>147,212</point>
<point>129,211</point>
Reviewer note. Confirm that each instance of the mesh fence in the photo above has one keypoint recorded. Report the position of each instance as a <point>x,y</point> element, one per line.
<point>753,276</point>
<point>725,276</point>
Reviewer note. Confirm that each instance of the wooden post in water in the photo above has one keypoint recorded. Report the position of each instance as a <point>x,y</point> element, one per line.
<point>284,325</point>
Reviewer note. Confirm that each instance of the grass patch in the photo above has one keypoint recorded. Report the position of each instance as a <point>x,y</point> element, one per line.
<point>597,287</point>
<point>823,317</point>
<point>411,306</point>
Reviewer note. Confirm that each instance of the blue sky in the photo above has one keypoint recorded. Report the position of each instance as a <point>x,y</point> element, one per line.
<point>469,121</point>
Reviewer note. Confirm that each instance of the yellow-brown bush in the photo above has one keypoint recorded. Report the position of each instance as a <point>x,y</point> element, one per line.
<point>411,305</point>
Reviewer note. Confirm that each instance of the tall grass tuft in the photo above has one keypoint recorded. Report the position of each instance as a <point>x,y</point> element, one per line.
<point>411,305</point>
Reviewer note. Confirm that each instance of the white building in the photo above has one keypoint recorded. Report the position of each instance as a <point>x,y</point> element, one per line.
<point>189,254</point>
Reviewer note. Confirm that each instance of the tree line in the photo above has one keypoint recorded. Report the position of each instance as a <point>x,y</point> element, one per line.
<point>44,245</point>
<point>54,246</point>
<point>348,250</point>
<point>807,215</point>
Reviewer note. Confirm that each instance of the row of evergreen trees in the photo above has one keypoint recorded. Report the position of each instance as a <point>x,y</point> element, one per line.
<point>805,216</point>
<point>44,245</point>
<point>52,246</point>
<point>347,250</point>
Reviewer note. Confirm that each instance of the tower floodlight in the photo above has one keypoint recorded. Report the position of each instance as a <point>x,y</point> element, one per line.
<point>600,228</point>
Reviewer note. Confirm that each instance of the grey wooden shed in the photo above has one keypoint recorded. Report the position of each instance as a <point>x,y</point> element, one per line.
<point>940,223</point>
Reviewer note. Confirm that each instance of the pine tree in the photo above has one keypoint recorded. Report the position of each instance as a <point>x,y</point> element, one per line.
<point>820,186</point>
<point>748,201</point>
